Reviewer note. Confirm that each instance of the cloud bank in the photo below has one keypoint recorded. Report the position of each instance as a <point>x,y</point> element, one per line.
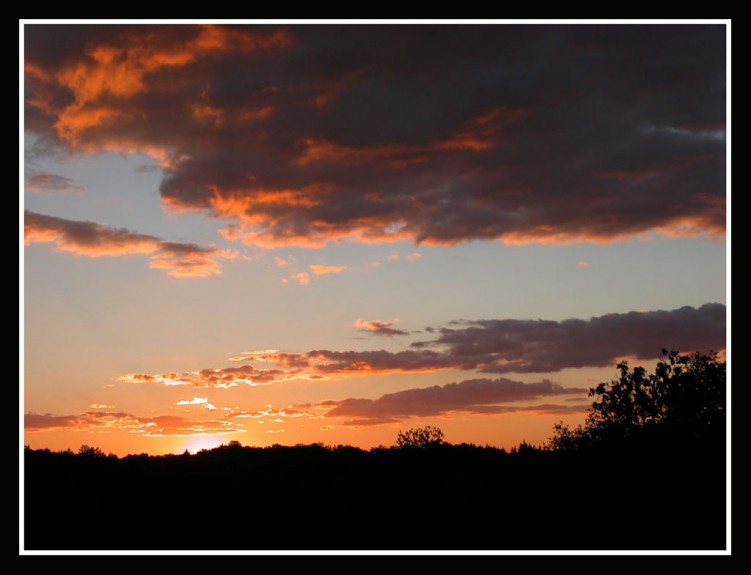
<point>485,346</point>
<point>529,346</point>
<point>301,135</point>
<point>500,346</point>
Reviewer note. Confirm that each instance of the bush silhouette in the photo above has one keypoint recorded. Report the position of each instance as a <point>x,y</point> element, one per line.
<point>88,451</point>
<point>420,437</point>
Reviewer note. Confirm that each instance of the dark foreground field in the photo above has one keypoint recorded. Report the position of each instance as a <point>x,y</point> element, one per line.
<point>661,496</point>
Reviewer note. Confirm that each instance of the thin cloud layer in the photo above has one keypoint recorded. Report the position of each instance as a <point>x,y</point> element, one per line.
<point>300,135</point>
<point>322,270</point>
<point>202,401</point>
<point>269,412</point>
<point>480,396</point>
<point>222,378</point>
<point>96,240</point>
<point>158,426</point>
<point>36,181</point>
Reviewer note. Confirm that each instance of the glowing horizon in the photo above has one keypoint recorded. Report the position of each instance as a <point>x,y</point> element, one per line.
<point>466,228</point>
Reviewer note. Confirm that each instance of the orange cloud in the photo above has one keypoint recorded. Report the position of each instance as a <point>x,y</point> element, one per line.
<point>221,378</point>
<point>281,262</point>
<point>255,114</point>
<point>270,412</point>
<point>86,238</point>
<point>482,133</point>
<point>122,67</point>
<point>303,278</point>
<point>158,426</point>
<point>320,270</point>
<point>207,113</point>
<point>426,143</point>
<point>96,240</point>
<point>190,260</point>
<point>380,326</point>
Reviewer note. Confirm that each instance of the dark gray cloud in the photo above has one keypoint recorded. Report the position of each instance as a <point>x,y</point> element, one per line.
<point>501,346</point>
<point>434,133</point>
<point>531,346</point>
<point>481,396</point>
<point>94,240</point>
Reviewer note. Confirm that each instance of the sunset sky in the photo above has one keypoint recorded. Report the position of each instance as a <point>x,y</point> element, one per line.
<point>288,233</point>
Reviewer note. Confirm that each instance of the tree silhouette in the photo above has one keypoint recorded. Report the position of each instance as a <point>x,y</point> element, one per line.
<point>88,451</point>
<point>685,395</point>
<point>420,437</point>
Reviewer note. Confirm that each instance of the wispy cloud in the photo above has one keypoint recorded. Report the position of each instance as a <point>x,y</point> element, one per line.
<point>380,326</point>
<point>221,378</point>
<point>303,278</point>
<point>36,181</point>
<point>96,240</point>
<point>271,413</point>
<point>281,262</point>
<point>202,401</point>
<point>321,270</point>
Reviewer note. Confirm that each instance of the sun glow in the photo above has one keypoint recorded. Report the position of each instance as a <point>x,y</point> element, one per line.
<point>195,444</point>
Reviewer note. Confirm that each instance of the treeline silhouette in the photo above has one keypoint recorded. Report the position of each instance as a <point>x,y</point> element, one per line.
<point>646,471</point>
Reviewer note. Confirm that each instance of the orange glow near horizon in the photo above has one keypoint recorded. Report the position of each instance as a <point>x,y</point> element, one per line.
<point>409,235</point>
<point>500,430</point>
<point>196,444</point>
